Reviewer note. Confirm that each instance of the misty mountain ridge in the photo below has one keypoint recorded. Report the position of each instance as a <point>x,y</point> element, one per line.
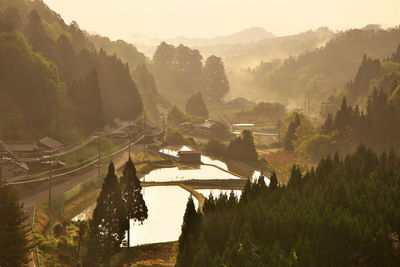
<point>249,35</point>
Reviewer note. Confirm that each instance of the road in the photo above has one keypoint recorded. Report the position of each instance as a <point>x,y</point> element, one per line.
<point>70,181</point>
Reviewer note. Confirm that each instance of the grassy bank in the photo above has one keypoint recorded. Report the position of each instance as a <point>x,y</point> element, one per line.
<point>154,255</point>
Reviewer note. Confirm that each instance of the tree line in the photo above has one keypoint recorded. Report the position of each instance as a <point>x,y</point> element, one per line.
<point>341,213</point>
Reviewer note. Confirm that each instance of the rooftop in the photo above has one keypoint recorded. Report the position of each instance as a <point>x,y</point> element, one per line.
<point>50,143</point>
<point>188,152</point>
<point>211,123</point>
<point>22,146</point>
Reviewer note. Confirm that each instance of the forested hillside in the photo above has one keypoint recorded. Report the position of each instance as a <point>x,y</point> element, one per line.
<point>75,78</point>
<point>125,51</point>
<point>343,213</point>
<point>322,72</point>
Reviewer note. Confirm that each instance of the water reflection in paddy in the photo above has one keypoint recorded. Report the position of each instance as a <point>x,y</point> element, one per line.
<point>181,173</point>
<point>166,205</point>
<point>173,151</point>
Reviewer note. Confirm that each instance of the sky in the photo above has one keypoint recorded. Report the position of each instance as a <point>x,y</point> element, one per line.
<point>209,18</point>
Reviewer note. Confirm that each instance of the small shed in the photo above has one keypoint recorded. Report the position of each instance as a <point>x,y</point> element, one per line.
<point>189,156</point>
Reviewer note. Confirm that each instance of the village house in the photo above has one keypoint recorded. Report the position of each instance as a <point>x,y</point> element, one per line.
<point>214,129</point>
<point>49,144</point>
<point>23,149</point>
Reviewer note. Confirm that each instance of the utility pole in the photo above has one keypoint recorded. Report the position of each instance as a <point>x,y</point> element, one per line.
<point>144,133</point>
<point>169,118</point>
<point>98,156</point>
<point>279,130</point>
<point>1,163</point>
<point>163,127</point>
<point>129,139</point>
<point>50,176</point>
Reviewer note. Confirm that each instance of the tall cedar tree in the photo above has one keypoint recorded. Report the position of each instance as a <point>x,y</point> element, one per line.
<point>196,106</point>
<point>273,184</point>
<point>215,79</point>
<point>189,229</point>
<point>135,205</point>
<point>291,133</point>
<point>14,245</point>
<point>85,94</point>
<point>108,225</point>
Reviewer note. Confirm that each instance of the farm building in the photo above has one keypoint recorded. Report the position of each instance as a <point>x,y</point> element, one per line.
<point>189,156</point>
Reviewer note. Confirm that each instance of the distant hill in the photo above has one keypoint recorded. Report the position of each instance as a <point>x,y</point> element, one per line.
<point>243,55</point>
<point>251,35</point>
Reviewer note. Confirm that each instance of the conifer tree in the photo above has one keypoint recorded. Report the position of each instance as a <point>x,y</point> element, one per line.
<point>273,181</point>
<point>108,225</point>
<point>295,177</point>
<point>196,106</point>
<point>14,245</point>
<point>189,233</point>
<point>135,205</point>
<point>291,133</point>
<point>216,81</point>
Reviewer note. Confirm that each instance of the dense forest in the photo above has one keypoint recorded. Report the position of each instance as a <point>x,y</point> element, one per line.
<point>342,213</point>
<point>63,75</point>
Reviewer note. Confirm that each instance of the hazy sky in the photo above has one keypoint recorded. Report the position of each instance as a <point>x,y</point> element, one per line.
<point>207,18</point>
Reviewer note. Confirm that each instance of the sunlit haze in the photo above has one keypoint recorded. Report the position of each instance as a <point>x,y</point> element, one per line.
<point>208,18</point>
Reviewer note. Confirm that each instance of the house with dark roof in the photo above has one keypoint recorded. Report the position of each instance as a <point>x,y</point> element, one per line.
<point>48,143</point>
<point>216,129</point>
<point>22,149</point>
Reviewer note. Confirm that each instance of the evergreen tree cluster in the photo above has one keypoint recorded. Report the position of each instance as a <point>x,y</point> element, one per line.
<point>369,69</point>
<point>120,201</point>
<point>378,126</point>
<point>342,213</point>
<point>242,147</point>
<point>179,72</point>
